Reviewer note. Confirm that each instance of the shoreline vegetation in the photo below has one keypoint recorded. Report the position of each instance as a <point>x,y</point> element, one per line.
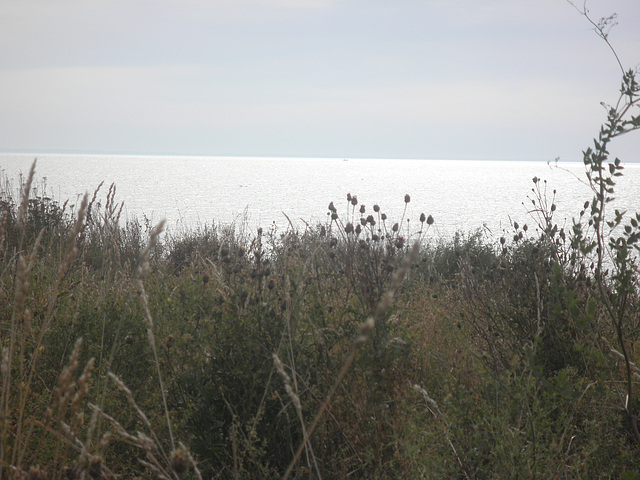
<point>352,349</point>
<point>356,348</point>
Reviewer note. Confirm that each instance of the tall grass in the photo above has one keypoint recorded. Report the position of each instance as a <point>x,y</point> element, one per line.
<point>43,404</point>
<point>215,354</point>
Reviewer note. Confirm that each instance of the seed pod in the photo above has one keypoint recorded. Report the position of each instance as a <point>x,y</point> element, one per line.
<point>383,217</point>
<point>395,227</point>
<point>354,200</point>
<point>348,228</point>
<point>376,208</point>
<point>407,198</point>
<point>429,220</point>
<point>180,461</point>
<point>423,217</point>
<point>362,209</point>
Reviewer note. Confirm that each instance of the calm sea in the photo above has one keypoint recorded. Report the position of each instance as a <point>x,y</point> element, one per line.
<point>193,191</point>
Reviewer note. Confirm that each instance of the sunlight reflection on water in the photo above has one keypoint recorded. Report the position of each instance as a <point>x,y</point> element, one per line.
<point>194,191</point>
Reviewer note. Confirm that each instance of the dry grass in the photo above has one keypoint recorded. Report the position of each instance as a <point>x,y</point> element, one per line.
<point>64,414</point>
<point>118,342</point>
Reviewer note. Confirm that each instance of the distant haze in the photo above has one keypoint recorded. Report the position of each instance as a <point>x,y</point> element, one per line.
<point>470,79</point>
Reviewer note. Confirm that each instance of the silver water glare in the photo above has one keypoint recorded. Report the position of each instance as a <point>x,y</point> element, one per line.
<point>194,191</point>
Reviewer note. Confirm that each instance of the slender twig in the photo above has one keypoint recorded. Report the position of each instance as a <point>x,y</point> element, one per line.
<point>601,28</point>
<point>143,268</point>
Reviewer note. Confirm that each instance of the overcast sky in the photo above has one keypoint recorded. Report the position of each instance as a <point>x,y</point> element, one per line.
<point>449,79</point>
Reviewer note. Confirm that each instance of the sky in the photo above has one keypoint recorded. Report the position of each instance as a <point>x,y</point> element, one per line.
<point>441,79</point>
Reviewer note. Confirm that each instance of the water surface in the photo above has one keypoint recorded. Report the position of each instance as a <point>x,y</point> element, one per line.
<point>193,191</point>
